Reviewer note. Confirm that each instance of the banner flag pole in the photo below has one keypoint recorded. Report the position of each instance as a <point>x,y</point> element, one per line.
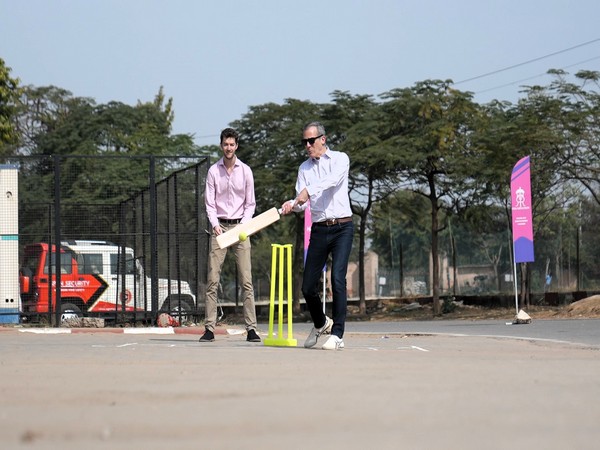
<point>522,226</point>
<point>307,230</point>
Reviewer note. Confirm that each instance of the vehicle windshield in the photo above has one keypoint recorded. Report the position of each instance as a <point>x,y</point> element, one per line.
<point>66,265</point>
<point>32,261</point>
<point>120,265</point>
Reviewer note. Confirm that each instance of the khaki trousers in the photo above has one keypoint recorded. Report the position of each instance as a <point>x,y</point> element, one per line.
<point>243,260</point>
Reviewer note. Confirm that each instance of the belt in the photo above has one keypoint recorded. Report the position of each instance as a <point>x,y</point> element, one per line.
<point>331,222</point>
<point>230,221</point>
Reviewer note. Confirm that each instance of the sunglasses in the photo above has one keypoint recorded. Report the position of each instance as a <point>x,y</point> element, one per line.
<point>311,140</point>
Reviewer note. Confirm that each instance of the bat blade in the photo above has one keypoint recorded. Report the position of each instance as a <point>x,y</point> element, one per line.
<point>257,223</point>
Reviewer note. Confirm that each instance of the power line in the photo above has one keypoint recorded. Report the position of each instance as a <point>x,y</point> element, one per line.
<point>535,76</point>
<point>527,62</point>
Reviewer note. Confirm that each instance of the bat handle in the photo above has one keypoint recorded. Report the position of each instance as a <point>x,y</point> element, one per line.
<point>280,210</point>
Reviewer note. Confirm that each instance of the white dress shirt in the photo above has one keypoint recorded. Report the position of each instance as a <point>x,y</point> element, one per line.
<point>326,180</point>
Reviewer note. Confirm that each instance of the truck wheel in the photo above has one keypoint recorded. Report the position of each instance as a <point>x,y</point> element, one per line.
<point>69,311</point>
<point>179,309</point>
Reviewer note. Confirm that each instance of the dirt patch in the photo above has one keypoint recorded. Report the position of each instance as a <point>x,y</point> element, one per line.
<point>587,308</point>
<point>400,310</point>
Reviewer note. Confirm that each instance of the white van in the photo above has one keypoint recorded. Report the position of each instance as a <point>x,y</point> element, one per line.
<point>97,277</point>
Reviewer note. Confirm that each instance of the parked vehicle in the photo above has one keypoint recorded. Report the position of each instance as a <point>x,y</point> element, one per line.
<point>96,277</point>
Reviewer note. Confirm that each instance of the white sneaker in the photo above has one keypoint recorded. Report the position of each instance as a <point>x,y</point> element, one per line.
<point>333,343</point>
<point>315,333</point>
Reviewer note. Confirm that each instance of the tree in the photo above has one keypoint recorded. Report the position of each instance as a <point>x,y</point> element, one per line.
<point>40,110</point>
<point>505,134</point>
<point>53,124</point>
<point>271,133</point>
<point>578,120</point>
<point>270,143</point>
<point>404,248</point>
<point>9,95</point>
<point>428,126</point>
<point>488,231</point>
<point>356,121</point>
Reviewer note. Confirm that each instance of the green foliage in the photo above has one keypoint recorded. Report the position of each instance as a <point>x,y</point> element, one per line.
<point>60,124</point>
<point>270,143</point>
<point>356,121</point>
<point>9,95</point>
<point>429,167</point>
<point>429,127</point>
<point>448,305</point>
<point>587,215</point>
<point>399,225</point>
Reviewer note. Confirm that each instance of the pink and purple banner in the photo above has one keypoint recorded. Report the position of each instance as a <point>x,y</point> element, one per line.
<point>307,228</point>
<point>520,191</point>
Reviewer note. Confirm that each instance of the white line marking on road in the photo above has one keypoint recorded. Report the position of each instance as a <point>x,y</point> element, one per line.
<point>166,330</point>
<point>232,331</point>
<point>412,347</point>
<point>419,348</point>
<point>47,330</point>
<point>127,345</point>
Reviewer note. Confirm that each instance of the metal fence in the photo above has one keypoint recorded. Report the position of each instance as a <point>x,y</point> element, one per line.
<point>566,267</point>
<point>133,242</point>
<point>130,234</point>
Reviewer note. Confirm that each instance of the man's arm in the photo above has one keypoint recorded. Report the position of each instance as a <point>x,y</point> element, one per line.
<point>250,200</point>
<point>210,200</point>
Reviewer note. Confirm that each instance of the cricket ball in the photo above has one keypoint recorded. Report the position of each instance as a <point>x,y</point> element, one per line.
<point>243,236</point>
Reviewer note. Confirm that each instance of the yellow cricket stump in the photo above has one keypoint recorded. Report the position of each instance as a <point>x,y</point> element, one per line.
<point>279,252</point>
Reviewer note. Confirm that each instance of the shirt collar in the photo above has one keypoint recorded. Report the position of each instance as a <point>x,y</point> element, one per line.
<point>325,153</point>
<point>222,161</point>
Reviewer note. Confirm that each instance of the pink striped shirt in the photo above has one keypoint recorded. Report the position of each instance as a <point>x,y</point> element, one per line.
<point>229,195</point>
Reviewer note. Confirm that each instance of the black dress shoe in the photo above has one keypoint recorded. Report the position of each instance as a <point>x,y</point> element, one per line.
<point>208,336</point>
<point>252,336</point>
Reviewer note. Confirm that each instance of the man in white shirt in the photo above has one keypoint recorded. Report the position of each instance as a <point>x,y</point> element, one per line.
<point>323,179</point>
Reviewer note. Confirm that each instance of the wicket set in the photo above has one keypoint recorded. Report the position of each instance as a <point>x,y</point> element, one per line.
<point>281,254</point>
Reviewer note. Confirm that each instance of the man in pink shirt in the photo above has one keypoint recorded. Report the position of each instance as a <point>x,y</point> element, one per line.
<point>229,199</point>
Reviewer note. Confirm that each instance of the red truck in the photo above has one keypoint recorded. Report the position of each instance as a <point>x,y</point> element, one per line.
<point>96,277</point>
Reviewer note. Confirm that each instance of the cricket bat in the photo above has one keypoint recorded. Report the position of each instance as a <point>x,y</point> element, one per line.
<point>257,223</point>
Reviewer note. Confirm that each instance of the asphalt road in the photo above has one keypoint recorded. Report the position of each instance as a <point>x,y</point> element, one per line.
<point>574,331</point>
<point>400,385</point>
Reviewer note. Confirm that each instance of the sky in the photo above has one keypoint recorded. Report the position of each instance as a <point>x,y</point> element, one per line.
<point>217,58</point>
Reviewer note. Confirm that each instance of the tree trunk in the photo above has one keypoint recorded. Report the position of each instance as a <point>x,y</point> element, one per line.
<point>528,285</point>
<point>454,270</point>
<point>435,271</point>
<point>523,285</point>
<point>298,264</point>
<point>362,304</point>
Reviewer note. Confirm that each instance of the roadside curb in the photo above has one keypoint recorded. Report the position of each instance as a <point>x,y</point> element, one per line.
<point>148,330</point>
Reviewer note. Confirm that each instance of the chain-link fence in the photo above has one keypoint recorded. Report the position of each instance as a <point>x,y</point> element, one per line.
<point>133,238</point>
<point>566,268</point>
<point>130,232</point>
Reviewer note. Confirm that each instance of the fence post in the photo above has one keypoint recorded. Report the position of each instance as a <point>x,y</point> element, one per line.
<point>153,240</point>
<point>57,241</point>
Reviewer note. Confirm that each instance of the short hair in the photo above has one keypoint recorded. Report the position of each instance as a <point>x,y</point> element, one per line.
<point>229,133</point>
<point>318,125</point>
